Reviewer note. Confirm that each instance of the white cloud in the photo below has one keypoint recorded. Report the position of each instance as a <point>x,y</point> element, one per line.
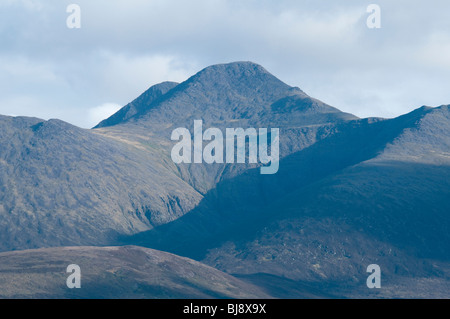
<point>23,68</point>
<point>19,106</point>
<point>27,4</point>
<point>316,29</point>
<point>101,112</point>
<point>436,52</point>
<point>124,47</point>
<point>129,76</point>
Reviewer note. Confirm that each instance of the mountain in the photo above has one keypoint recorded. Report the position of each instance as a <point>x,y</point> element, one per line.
<point>115,272</point>
<point>241,92</point>
<point>62,185</point>
<point>375,192</point>
<point>234,95</point>
<point>349,192</point>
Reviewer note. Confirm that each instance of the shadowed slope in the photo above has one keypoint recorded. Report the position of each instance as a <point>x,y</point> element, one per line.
<point>376,191</point>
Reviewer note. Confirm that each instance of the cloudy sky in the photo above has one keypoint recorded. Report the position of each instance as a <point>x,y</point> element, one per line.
<point>124,46</point>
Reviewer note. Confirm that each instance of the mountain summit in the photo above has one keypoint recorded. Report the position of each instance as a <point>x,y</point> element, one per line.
<point>242,92</point>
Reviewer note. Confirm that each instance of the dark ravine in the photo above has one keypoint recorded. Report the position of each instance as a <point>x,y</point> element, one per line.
<point>349,192</point>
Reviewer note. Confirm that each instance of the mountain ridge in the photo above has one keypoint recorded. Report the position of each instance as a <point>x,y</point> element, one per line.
<point>139,104</point>
<point>220,93</point>
<point>349,191</point>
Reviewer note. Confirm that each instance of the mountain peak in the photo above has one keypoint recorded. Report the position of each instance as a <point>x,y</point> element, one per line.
<point>239,67</point>
<point>243,73</point>
<point>243,92</point>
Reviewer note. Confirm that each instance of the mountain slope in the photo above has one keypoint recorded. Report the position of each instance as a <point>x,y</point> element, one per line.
<point>392,210</point>
<point>115,272</point>
<point>376,191</point>
<point>349,191</point>
<point>61,185</point>
<point>240,94</point>
<point>139,105</point>
<point>246,196</point>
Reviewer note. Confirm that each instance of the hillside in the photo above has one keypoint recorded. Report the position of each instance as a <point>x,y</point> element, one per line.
<point>115,272</point>
<point>376,192</point>
<point>62,185</point>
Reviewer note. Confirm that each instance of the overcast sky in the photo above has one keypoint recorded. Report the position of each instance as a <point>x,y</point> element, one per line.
<point>123,47</point>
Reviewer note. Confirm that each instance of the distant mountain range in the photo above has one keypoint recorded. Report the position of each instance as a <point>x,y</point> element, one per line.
<point>349,192</point>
